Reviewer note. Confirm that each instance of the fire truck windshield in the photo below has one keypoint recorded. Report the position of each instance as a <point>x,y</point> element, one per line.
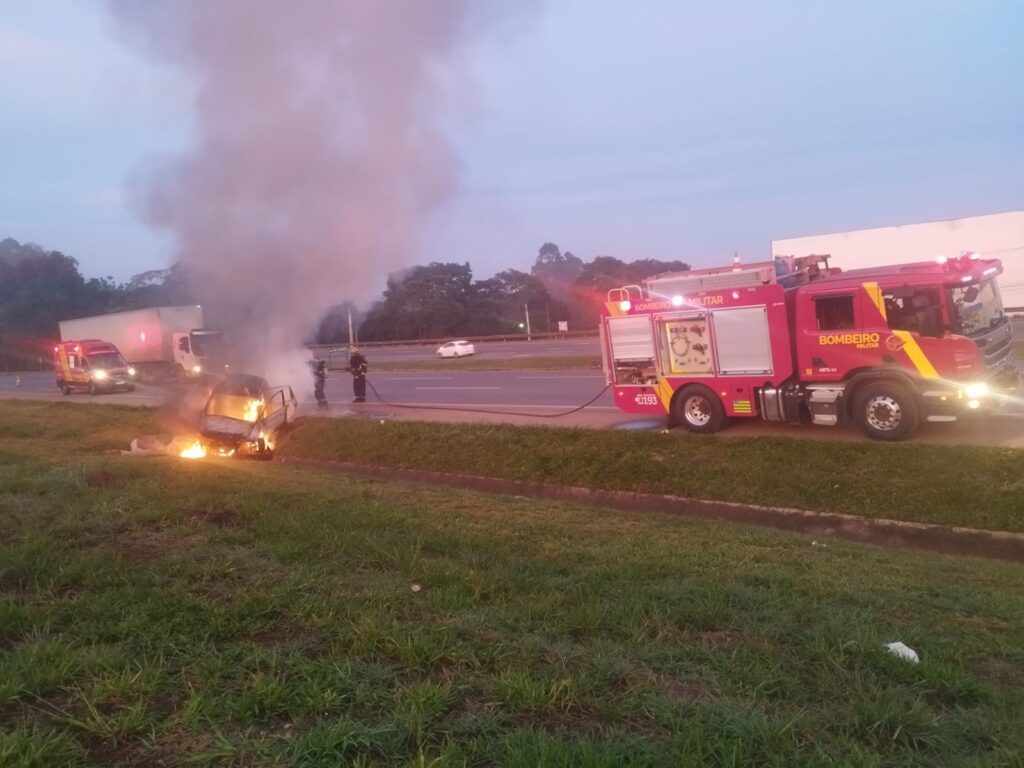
<point>976,308</point>
<point>106,360</point>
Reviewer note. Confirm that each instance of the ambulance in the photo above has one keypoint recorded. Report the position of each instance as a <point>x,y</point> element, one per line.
<point>93,366</point>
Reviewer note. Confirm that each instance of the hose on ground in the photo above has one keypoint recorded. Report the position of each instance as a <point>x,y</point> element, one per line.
<point>462,409</point>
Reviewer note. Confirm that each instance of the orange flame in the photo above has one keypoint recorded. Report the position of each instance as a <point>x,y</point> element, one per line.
<point>252,410</point>
<point>194,451</point>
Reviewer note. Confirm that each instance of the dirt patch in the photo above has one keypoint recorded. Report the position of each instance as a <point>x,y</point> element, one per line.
<point>151,546</point>
<point>286,633</point>
<point>683,689</point>
<point>102,479</point>
<point>716,638</point>
<point>221,517</point>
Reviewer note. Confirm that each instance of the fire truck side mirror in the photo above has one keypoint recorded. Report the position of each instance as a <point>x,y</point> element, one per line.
<point>971,294</point>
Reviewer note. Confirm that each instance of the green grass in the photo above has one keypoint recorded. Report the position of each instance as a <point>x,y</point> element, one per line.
<point>136,628</point>
<point>957,485</point>
<point>476,363</point>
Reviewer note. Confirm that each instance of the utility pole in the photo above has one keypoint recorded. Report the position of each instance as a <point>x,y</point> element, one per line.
<point>526,308</point>
<point>351,338</point>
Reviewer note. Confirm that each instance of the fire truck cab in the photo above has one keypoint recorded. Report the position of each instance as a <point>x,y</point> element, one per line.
<point>792,340</point>
<point>91,365</point>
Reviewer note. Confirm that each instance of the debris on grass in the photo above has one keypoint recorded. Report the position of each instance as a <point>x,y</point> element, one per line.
<point>903,651</point>
<point>149,445</point>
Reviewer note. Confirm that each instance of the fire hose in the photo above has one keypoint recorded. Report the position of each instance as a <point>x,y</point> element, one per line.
<point>461,409</point>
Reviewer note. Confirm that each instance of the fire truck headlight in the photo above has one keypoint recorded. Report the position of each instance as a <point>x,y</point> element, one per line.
<point>974,391</point>
<point>131,371</point>
<point>197,368</point>
<point>99,375</point>
<point>973,404</point>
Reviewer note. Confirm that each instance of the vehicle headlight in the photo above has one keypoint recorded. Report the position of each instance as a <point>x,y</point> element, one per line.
<point>99,375</point>
<point>131,371</point>
<point>974,391</point>
<point>197,368</point>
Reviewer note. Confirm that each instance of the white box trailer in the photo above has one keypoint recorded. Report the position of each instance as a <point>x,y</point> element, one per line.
<point>159,341</point>
<point>998,236</point>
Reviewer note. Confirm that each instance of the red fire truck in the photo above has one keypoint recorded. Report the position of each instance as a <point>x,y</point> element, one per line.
<point>793,340</point>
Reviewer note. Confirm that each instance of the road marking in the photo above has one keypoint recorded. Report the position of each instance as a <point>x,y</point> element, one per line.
<point>458,387</point>
<point>581,376</point>
<point>478,406</point>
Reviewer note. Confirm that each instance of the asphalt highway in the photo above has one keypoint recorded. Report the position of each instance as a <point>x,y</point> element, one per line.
<point>568,347</point>
<point>525,397</point>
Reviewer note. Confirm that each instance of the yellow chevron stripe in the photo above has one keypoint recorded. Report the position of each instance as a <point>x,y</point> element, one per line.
<point>614,309</point>
<point>665,393</point>
<point>875,294</point>
<point>916,354</point>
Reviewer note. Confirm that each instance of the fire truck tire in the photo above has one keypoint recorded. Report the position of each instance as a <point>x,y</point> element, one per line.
<point>886,411</point>
<point>699,410</point>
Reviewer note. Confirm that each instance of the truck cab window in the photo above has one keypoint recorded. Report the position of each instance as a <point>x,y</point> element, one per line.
<point>834,313</point>
<point>917,310</point>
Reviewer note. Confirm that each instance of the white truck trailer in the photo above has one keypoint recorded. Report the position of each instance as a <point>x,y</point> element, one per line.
<point>997,236</point>
<point>160,342</point>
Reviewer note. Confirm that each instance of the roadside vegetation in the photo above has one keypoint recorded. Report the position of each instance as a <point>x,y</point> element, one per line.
<point>160,611</point>
<point>977,487</point>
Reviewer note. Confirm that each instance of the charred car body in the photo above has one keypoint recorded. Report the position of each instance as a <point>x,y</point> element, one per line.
<point>244,415</point>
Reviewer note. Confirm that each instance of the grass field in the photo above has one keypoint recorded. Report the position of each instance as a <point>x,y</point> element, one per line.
<point>957,485</point>
<point>163,612</point>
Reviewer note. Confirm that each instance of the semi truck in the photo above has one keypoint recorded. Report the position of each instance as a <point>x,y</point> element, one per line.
<point>999,235</point>
<point>160,342</point>
<point>795,340</point>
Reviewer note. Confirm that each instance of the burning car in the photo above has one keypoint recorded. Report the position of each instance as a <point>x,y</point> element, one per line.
<point>244,414</point>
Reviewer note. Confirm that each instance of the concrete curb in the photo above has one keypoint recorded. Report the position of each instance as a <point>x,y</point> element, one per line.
<point>950,540</point>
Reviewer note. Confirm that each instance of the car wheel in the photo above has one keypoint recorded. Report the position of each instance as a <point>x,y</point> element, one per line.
<point>886,411</point>
<point>699,410</point>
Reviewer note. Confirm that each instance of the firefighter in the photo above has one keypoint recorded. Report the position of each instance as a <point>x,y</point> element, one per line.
<point>320,378</point>
<point>357,366</point>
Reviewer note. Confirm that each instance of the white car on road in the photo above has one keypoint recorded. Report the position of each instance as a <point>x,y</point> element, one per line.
<point>456,349</point>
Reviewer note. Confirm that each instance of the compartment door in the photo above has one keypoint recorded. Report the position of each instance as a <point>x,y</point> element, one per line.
<point>742,343</point>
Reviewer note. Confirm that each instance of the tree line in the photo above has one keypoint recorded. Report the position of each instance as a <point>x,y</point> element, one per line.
<point>39,288</point>
<point>442,299</point>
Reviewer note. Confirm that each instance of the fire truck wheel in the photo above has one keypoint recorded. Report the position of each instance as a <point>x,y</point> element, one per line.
<point>699,410</point>
<point>886,411</point>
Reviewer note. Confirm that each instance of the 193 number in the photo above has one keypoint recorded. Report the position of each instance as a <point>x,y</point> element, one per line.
<point>646,399</point>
